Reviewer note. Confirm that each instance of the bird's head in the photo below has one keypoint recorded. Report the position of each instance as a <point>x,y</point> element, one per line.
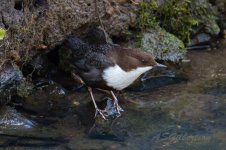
<point>142,58</point>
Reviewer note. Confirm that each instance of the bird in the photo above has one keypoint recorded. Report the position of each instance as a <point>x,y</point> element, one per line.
<point>107,66</point>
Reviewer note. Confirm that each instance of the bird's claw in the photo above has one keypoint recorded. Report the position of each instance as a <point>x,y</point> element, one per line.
<point>101,112</point>
<point>118,109</point>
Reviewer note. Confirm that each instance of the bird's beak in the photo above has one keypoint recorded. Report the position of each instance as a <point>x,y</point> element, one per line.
<point>160,66</point>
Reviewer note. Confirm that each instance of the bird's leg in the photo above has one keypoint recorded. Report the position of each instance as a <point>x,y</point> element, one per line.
<point>77,78</point>
<point>116,105</point>
<point>95,105</point>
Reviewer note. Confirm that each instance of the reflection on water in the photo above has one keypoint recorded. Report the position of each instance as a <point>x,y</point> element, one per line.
<point>189,115</point>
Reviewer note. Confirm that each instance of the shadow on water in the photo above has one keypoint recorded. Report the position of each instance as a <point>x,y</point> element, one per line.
<point>188,115</point>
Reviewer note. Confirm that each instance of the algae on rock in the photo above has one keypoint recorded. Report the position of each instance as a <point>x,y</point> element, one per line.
<point>172,15</point>
<point>163,45</point>
<point>206,14</point>
<point>179,17</point>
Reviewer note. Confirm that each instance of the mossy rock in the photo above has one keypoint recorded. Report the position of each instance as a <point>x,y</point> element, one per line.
<point>163,45</point>
<point>206,15</point>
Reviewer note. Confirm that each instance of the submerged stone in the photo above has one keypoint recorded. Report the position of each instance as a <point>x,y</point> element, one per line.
<point>11,119</point>
<point>108,130</point>
<point>155,79</point>
<point>111,128</point>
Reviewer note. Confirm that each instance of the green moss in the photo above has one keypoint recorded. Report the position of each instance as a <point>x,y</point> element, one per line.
<point>174,16</point>
<point>146,18</point>
<point>165,50</point>
<point>2,33</point>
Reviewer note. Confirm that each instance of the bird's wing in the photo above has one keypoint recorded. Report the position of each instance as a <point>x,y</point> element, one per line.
<point>98,60</point>
<point>91,66</point>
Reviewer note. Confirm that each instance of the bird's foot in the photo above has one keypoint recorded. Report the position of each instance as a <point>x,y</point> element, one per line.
<point>116,105</point>
<point>101,112</point>
<point>118,109</point>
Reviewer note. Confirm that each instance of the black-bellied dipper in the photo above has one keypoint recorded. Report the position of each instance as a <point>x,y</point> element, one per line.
<point>107,66</point>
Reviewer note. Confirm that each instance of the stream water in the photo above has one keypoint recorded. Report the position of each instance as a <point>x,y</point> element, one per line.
<point>190,115</point>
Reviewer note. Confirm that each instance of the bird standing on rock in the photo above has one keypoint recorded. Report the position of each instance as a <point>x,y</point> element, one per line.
<point>107,66</point>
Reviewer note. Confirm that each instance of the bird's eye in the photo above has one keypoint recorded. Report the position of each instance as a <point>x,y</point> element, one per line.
<point>143,60</point>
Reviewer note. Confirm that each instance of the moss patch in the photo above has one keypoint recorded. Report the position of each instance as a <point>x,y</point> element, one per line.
<point>163,45</point>
<point>2,33</point>
<point>173,15</point>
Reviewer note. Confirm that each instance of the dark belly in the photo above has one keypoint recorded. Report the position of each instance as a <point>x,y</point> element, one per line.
<point>98,84</point>
<point>93,78</point>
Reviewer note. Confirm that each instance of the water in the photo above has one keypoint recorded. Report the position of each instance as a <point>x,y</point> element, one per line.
<point>190,116</point>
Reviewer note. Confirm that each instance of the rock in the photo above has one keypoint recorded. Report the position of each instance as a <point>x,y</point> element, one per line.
<point>11,119</point>
<point>108,130</point>
<point>155,79</point>
<point>185,63</point>
<point>163,45</point>
<point>221,5</point>
<point>206,14</point>
<point>41,22</point>
<point>10,76</point>
<point>24,88</point>
<point>39,66</point>
<point>201,38</point>
<point>46,98</point>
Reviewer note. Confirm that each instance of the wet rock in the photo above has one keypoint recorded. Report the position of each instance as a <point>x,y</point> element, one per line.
<point>201,38</point>
<point>111,129</point>
<point>163,45</point>
<point>155,79</point>
<point>24,88</point>
<point>10,76</point>
<point>206,15</point>
<point>221,5</point>
<point>111,111</point>
<point>47,98</point>
<point>39,66</point>
<point>11,119</point>
<point>108,130</point>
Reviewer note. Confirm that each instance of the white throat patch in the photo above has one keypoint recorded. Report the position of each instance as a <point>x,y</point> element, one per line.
<point>119,79</point>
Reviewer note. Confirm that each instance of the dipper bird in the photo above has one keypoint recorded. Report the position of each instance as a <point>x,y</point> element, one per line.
<point>107,66</point>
